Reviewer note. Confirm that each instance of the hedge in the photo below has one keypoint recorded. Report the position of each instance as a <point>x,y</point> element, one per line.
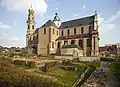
<point>21,63</point>
<point>31,64</point>
<point>107,59</point>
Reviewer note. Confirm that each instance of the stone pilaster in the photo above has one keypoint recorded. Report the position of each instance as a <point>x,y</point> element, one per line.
<point>84,46</point>
<point>96,46</point>
<point>92,47</point>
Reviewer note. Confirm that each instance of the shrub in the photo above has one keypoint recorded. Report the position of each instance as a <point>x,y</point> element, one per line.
<point>72,68</point>
<point>66,62</point>
<point>107,59</point>
<point>31,64</point>
<point>19,63</point>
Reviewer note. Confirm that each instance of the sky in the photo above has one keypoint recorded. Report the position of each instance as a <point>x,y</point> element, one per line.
<point>13,17</point>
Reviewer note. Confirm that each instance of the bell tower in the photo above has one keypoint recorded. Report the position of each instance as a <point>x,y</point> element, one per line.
<point>30,29</point>
<point>95,37</point>
<point>56,20</point>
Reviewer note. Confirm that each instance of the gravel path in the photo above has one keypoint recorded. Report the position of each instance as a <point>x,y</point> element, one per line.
<point>111,79</point>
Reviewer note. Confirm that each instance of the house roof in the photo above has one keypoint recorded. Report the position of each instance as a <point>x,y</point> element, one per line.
<point>48,24</point>
<point>71,46</point>
<point>73,36</point>
<point>78,22</point>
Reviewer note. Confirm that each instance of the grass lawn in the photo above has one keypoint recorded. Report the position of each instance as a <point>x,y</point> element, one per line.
<point>65,77</point>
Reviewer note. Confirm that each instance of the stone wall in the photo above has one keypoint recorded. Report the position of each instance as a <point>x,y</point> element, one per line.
<point>83,59</point>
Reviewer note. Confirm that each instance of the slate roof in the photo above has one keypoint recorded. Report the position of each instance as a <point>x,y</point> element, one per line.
<point>71,46</point>
<point>73,36</point>
<point>78,22</point>
<point>48,24</point>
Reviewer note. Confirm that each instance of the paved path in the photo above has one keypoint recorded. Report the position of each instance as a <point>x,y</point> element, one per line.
<point>111,79</point>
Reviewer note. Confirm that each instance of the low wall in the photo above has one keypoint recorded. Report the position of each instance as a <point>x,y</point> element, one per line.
<point>65,57</point>
<point>90,59</point>
<point>84,59</point>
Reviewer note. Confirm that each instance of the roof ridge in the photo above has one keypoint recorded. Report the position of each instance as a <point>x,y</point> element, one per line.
<point>78,18</point>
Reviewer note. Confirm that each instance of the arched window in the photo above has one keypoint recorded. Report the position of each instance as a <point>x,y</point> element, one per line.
<point>72,41</point>
<point>81,43</point>
<point>62,32</point>
<point>88,42</point>
<point>44,30</point>
<point>82,30</point>
<point>52,44</point>
<point>57,32</point>
<point>74,30</point>
<point>53,31</point>
<point>68,31</point>
<point>32,26</point>
<point>90,29</point>
<point>28,26</point>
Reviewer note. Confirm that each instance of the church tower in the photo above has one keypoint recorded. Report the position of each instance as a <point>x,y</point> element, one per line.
<point>30,29</point>
<point>95,37</point>
<point>56,20</point>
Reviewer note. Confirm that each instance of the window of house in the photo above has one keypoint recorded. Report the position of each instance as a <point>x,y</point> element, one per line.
<point>44,30</point>
<point>82,30</point>
<point>32,26</point>
<point>28,26</point>
<point>68,31</point>
<point>53,31</point>
<point>90,29</point>
<point>72,41</point>
<point>74,30</point>
<point>52,44</point>
<point>62,32</point>
<point>81,43</point>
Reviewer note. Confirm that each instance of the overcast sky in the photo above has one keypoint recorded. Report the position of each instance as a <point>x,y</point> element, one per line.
<point>13,16</point>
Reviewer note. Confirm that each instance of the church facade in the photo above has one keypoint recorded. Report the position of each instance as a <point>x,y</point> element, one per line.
<point>50,37</point>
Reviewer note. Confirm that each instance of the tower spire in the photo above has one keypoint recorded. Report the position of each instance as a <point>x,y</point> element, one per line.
<point>95,12</point>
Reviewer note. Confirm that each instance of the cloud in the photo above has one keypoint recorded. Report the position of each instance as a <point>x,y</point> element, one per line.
<point>109,28</point>
<point>84,6</point>
<point>40,6</point>
<point>9,40</point>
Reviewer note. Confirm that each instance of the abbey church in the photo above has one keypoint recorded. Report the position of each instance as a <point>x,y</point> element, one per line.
<point>51,37</point>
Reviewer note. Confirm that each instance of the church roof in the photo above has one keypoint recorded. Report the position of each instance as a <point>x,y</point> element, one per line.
<point>78,22</point>
<point>73,36</point>
<point>48,24</point>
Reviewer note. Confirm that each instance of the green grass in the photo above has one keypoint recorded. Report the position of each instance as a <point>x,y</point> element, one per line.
<point>65,77</point>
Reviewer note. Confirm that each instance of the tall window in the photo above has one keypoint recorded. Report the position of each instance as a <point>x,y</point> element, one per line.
<point>68,31</point>
<point>74,30</point>
<point>88,42</point>
<point>53,31</point>
<point>81,43</point>
<point>32,26</point>
<point>62,32</point>
<point>28,26</point>
<point>82,30</point>
<point>57,32</point>
<point>90,29</point>
<point>44,30</point>
<point>52,44</point>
